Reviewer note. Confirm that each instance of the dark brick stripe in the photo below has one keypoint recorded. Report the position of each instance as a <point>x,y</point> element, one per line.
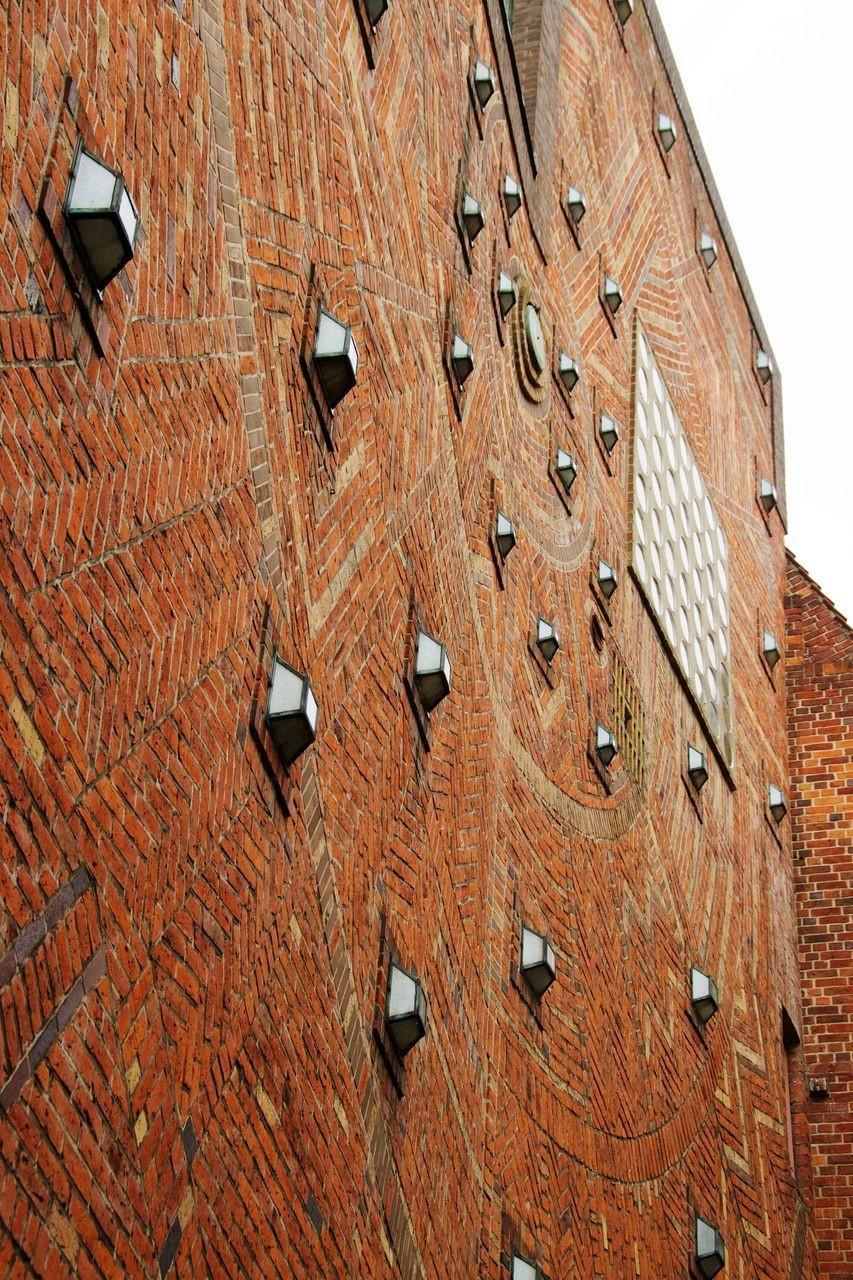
<point>170,1246</point>
<point>95,970</point>
<point>34,934</point>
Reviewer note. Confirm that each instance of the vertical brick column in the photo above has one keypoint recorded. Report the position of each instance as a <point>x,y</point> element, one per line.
<point>820,725</point>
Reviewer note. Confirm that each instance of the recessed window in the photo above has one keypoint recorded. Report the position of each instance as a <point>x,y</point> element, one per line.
<point>538,965</point>
<point>576,205</point>
<point>776,802</point>
<point>461,359</point>
<point>606,746</point>
<point>666,131</point>
<point>370,14</point>
<point>473,218</point>
<point>710,1251</point>
<point>791,1046</point>
<point>567,371</point>
<point>102,217</point>
<point>524,1269</point>
<point>613,296</point>
<point>763,366</point>
<point>697,767</point>
<point>291,714</point>
<point>504,534</point>
<point>512,195</point>
<point>547,640</point>
<point>607,580</point>
<point>770,649</point>
<point>507,293</point>
<point>708,249</point>
<point>432,671</point>
<point>608,431</point>
<point>405,1010</point>
<point>704,996</point>
<point>566,468</point>
<point>376,9</point>
<point>483,80</point>
<point>335,357</point>
<point>767,495</point>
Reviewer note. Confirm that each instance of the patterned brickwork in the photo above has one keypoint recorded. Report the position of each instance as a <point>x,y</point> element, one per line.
<point>193,1078</point>
<point>628,720</point>
<point>819,660</point>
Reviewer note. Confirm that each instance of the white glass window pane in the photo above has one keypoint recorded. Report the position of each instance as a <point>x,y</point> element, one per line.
<point>531,948</point>
<point>352,355</point>
<point>401,997</point>
<point>331,336</point>
<point>286,692</point>
<point>701,981</point>
<point>522,1270</point>
<point>94,184</point>
<point>127,214</point>
<point>428,655</point>
<point>311,708</point>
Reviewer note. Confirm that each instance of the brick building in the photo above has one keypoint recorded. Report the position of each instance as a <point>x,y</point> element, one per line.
<point>819,661</point>
<point>197,940</point>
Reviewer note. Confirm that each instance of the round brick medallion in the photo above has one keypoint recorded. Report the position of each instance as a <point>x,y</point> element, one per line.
<point>535,337</point>
<point>531,339</point>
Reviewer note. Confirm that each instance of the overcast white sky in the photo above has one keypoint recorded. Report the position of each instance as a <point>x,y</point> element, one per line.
<point>771,87</point>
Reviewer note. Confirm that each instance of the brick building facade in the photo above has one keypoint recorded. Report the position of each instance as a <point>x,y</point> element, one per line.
<point>819,661</point>
<point>196,941</point>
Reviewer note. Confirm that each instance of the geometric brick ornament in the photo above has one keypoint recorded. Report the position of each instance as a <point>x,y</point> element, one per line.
<point>680,552</point>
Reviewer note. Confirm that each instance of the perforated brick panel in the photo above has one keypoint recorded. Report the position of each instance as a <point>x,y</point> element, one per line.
<point>681,555</point>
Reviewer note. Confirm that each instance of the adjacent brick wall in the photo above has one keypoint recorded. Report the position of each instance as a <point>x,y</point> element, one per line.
<point>193,940</point>
<point>820,725</point>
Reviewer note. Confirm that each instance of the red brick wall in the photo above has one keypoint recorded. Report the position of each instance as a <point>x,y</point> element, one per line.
<point>820,726</point>
<point>192,942</point>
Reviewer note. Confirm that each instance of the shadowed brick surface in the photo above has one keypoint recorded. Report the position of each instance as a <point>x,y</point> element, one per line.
<point>192,1083</point>
<point>819,659</point>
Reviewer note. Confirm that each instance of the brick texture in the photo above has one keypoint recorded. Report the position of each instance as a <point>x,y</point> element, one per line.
<point>194,941</point>
<point>820,724</point>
